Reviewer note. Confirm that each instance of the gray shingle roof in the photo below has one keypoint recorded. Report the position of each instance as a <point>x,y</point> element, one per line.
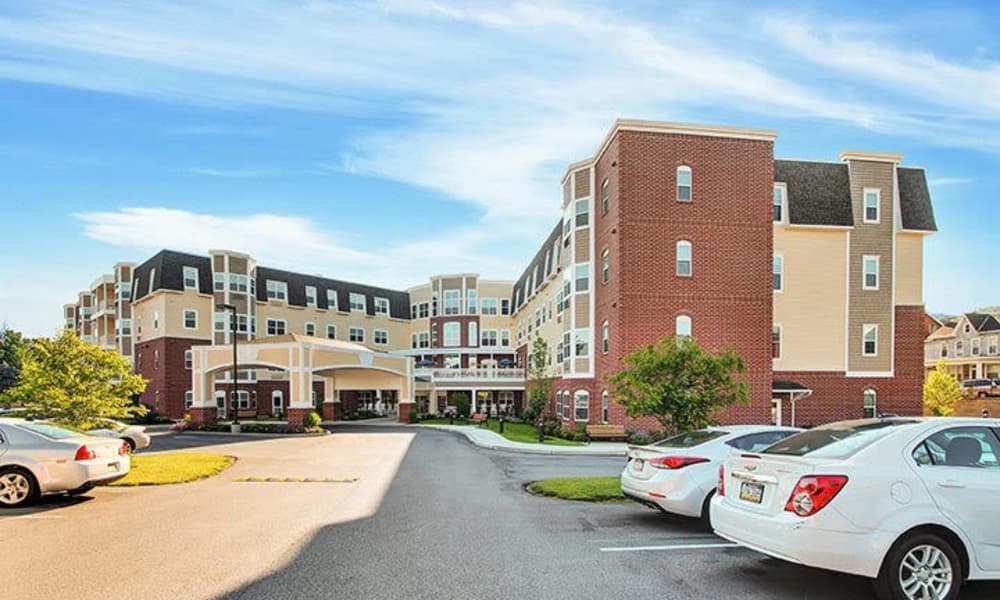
<point>818,193</point>
<point>539,260</point>
<point>915,200</point>
<point>169,272</point>
<point>983,321</point>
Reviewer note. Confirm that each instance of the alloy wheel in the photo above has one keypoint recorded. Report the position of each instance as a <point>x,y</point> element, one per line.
<point>926,573</point>
<point>14,488</point>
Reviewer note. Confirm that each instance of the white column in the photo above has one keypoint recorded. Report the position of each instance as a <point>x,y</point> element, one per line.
<point>475,400</point>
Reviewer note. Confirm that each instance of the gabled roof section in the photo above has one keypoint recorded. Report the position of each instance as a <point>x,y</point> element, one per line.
<point>819,193</point>
<point>983,322</point>
<point>915,200</point>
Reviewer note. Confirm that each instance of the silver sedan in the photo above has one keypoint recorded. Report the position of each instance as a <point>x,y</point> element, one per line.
<point>40,458</point>
<point>136,436</point>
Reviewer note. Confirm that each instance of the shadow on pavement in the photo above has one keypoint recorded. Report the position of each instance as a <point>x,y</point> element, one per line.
<point>45,505</point>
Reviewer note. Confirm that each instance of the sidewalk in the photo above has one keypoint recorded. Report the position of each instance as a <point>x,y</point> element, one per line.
<point>484,438</point>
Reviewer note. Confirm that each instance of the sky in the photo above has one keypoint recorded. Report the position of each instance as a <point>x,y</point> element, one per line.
<point>386,141</point>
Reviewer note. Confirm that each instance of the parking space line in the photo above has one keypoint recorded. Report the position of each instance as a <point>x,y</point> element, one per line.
<point>672,547</point>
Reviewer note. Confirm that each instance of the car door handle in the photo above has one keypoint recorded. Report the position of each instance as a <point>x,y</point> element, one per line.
<point>951,483</point>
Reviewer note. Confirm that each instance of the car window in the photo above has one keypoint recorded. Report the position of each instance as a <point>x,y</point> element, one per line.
<point>49,431</point>
<point>837,440</point>
<point>690,439</point>
<point>756,442</point>
<point>974,447</point>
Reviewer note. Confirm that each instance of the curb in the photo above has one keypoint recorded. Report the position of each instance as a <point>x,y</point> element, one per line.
<point>525,449</point>
<point>264,435</point>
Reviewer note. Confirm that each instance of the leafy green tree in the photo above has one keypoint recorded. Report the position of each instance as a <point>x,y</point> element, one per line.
<point>539,382</point>
<point>679,384</point>
<point>462,404</point>
<point>11,349</point>
<point>73,382</point>
<point>941,391</point>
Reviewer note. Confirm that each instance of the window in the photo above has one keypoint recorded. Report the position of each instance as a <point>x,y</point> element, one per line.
<point>944,349</point>
<point>219,282</point>
<point>381,306</point>
<point>582,342</point>
<point>974,447</point>
<point>604,267</point>
<point>310,329</point>
<point>156,359</point>
<point>489,338</point>
<point>683,184</point>
<point>473,301</point>
<point>358,302</point>
<point>567,348</point>
<point>276,327</point>
<point>190,278</point>
<point>975,347</point>
<point>452,334</point>
<point>331,299</point>
<point>277,290</point>
<point>505,337</point>
<point>221,321</point>
<point>870,404</point>
<point>356,334</point>
<point>473,336</point>
<point>190,319</point>
<point>872,201</point>
<point>776,342</point>
<point>125,326</point>
<point>381,337</point>
<point>188,399</point>
<point>582,213</point>
<point>152,277</point>
<point>605,405</point>
<point>452,302</point>
<point>331,332</point>
<point>869,340</point>
<point>870,266</point>
<point>423,310</point>
<point>682,328</point>
<point>992,346</point>
<point>777,273</point>
<point>488,306</point>
<point>310,295</point>
<point>605,342</point>
<point>434,304</point>
<point>959,348</point>
<point>581,405</point>
<point>582,273</point>
<point>424,339</point>
<point>241,399</point>
<point>188,359</point>
<point>780,193</point>
<point>605,197</point>
<point>505,306</point>
<point>683,259</point>
<point>240,283</point>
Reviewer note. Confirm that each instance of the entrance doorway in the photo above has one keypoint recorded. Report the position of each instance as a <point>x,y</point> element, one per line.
<point>776,411</point>
<point>277,403</point>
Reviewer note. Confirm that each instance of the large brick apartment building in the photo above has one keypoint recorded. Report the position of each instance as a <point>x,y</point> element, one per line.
<point>812,271</point>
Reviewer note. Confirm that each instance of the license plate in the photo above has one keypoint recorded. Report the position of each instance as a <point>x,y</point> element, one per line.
<point>751,492</point>
<point>637,464</point>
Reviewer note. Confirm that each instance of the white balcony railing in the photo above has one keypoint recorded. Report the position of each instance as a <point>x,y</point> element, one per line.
<point>483,374</point>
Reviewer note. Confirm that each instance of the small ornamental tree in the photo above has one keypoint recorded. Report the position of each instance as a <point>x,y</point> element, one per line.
<point>462,404</point>
<point>11,349</point>
<point>679,384</point>
<point>539,387</point>
<point>941,392</point>
<point>76,383</point>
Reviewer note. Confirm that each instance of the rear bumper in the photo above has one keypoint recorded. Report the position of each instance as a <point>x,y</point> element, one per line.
<point>811,541</point>
<point>673,492</point>
<point>72,475</point>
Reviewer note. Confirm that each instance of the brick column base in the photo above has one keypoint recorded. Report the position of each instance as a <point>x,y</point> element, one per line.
<point>333,411</point>
<point>404,411</point>
<point>207,415</point>
<point>296,416</point>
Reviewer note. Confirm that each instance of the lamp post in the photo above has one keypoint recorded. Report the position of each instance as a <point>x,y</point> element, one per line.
<point>236,372</point>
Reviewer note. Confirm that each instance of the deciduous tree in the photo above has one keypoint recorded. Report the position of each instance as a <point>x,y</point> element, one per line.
<point>539,381</point>
<point>941,391</point>
<point>11,348</point>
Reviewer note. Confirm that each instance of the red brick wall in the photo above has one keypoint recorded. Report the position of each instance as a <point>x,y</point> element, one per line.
<point>170,378</point>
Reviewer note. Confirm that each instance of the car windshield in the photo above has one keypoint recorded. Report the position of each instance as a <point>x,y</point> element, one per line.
<point>836,440</point>
<point>49,431</point>
<point>690,439</point>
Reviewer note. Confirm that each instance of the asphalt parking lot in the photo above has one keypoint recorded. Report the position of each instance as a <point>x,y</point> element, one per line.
<point>430,516</point>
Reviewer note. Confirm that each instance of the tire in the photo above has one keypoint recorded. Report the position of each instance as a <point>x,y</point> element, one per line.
<point>17,487</point>
<point>706,511</point>
<point>131,444</point>
<point>925,550</point>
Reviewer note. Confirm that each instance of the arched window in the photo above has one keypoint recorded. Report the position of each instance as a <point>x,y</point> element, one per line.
<point>683,184</point>
<point>870,404</point>
<point>604,406</point>
<point>605,341</point>
<point>683,258</point>
<point>682,331</point>
<point>277,402</point>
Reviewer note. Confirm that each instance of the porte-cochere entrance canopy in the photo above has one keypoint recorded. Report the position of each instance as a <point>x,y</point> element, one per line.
<point>340,365</point>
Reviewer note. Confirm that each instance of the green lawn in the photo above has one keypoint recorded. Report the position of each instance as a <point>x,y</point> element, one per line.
<point>180,467</point>
<point>592,489</point>
<point>515,432</point>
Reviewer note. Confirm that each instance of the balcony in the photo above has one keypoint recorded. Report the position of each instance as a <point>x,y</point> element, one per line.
<point>507,377</point>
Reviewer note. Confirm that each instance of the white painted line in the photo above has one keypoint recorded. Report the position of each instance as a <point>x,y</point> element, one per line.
<point>673,547</point>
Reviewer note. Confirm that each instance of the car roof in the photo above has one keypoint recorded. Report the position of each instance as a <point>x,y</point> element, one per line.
<point>751,428</point>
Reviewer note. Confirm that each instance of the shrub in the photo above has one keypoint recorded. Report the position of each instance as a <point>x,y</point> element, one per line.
<point>413,416</point>
<point>311,420</point>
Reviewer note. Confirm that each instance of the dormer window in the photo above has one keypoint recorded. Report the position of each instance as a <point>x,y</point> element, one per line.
<point>277,290</point>
<point>871,205</point>
<point>780,203</point>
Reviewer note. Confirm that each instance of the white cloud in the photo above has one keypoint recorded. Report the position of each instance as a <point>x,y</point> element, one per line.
<point>942,181</point>
<point>230,173</point>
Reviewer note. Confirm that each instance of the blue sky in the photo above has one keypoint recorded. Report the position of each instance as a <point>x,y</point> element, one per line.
<point>386,141</point>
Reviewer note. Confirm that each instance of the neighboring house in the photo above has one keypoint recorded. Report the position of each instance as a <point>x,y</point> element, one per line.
<point>811,270</point>
<point>970,346</point>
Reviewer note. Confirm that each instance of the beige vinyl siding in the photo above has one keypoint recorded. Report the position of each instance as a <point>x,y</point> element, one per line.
<point>909,269</point>
<point>581,251</point>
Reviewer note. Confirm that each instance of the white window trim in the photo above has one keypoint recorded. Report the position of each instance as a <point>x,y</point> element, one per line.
<point>878,205</point>
<point>188,359</point>
<point>784,204</point>
<point>375,336</point>
<point>605,266</point>
<point>605,337</point>
<point>677,184</point>
<point>874,394</point>
<point>267,326</point>
<point>781,341</point>
<point>277,286</point>
<point>388,307</point>
<point>331,294</point>
<point>576,396</point>
<point>350,335</point>
<point>315,296</point>
<point>352,296</point>
<point>781,272</point>
<point>864,272</point>
<point>328,327</point>
<point>305,328</point>
<point>184,315</point>
<point>184,277</point>
<point>605,197</point>
<point>457,325</point>
<point>677,320</point>
<point>677,258</point>
<point>864,329</point>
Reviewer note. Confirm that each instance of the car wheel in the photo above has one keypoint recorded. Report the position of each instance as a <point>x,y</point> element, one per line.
<point>919,566</point>
<point>131,444</point>
<point>706,511</point>
<point>17,487</point>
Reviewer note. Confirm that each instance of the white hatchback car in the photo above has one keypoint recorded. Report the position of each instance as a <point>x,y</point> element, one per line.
<point>908,502</point>
<point>136,436</point>
<point>40,458</point>
<point>678,474</point>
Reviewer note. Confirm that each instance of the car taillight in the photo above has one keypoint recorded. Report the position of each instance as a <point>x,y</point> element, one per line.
<point>144,430</point>
<point>720,487</point>
<point>675,462</point>
<point>813,492</point>
<point>85,453</point>
<point>123,449</point>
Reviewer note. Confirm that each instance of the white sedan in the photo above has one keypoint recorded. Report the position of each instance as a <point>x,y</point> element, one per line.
<point>678,474</point>
<point>136,436</point>
<point>907,502</point>
<point>40,458</point>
